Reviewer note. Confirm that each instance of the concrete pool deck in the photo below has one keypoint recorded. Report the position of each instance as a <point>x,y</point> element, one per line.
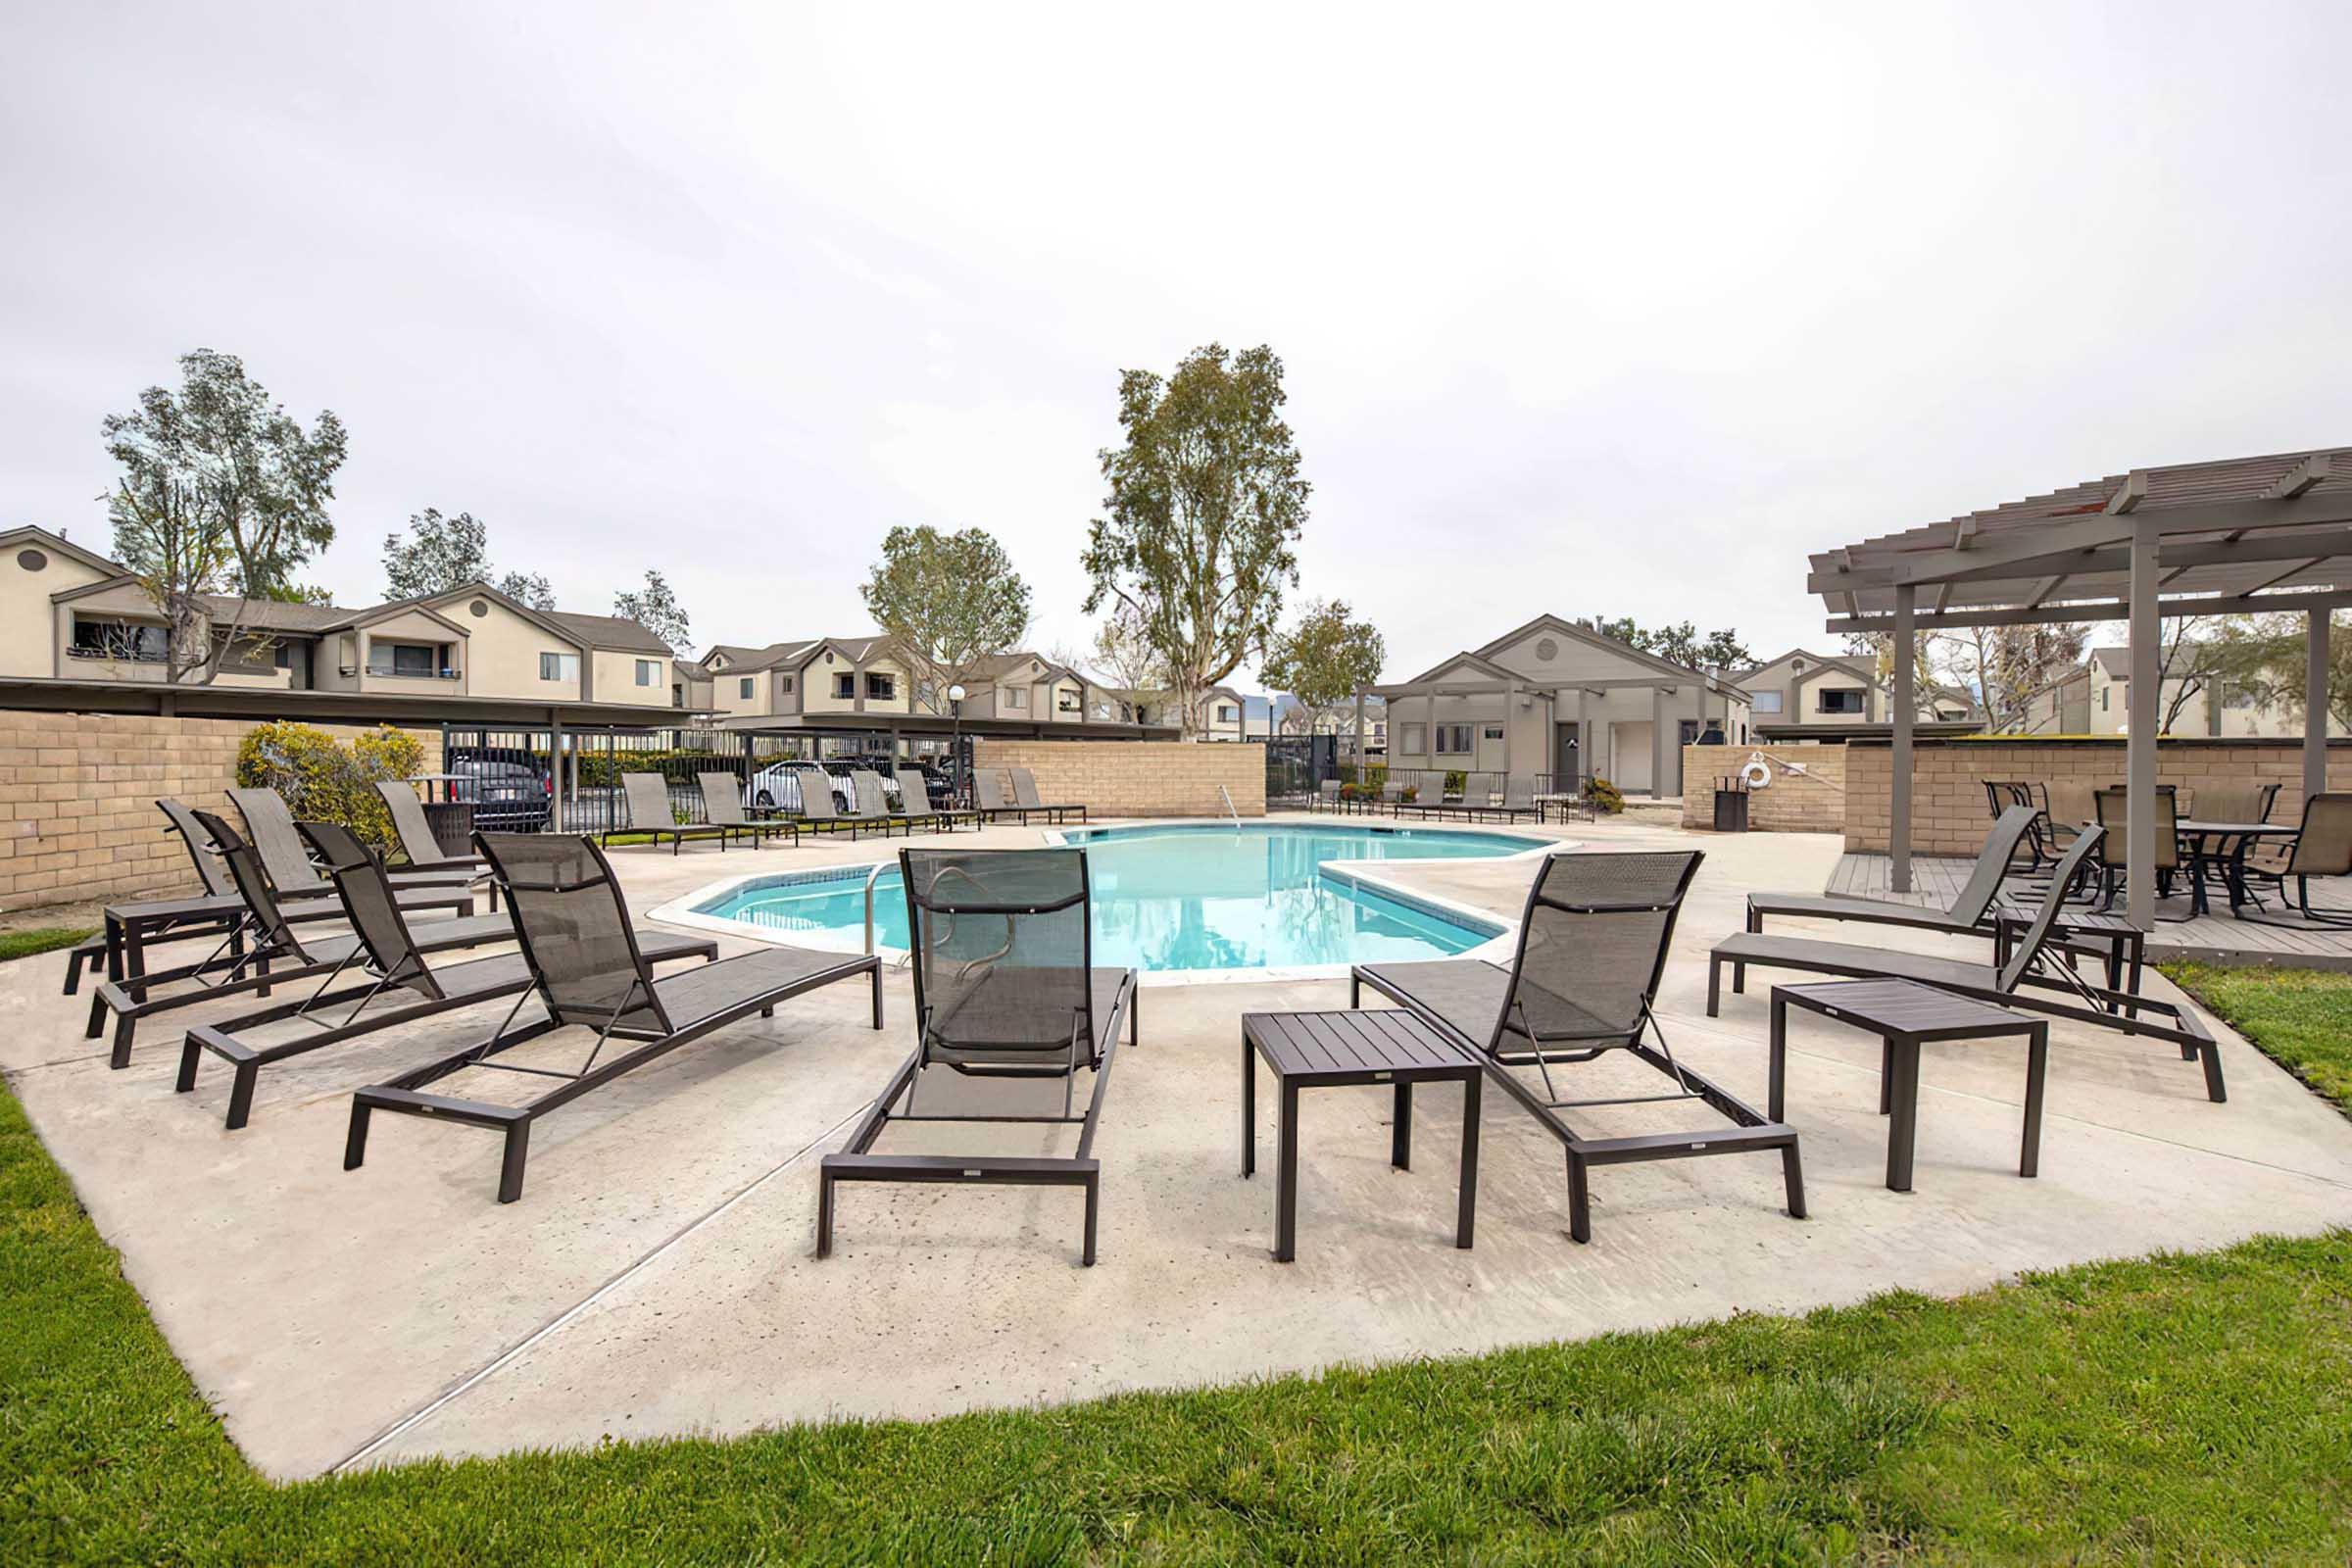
<point>658,1277</point>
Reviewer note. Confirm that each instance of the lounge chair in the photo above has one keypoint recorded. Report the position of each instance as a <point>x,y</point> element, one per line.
<point>873,802</point>
<point>723,804</point>
<point>589,972</point>
<point>417,839</point>
<point>1519,799</point>
<point>2324,847</point>
<point>269,828</point>
<point>2029,979</point>
<point>274,953</point>
<point>651,816</point>
<point>387,967</point>
<point>1392,799</point>
<point>818,809</point>
<point>1593,940</point>
<point>1326,796</point>
<point>915,802</point>
<point>1009,1010</point>
<point>1025,796</point>
<point>987,788</point>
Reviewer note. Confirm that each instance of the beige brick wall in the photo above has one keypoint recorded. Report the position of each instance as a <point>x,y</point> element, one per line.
<point>1138,778</point>
<point>1811,803</point>
<point>1949,816</point>
<point>77,793</point>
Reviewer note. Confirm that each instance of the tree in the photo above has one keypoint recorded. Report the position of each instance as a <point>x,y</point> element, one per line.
<point>657,610</point>
<point>1681,644</point>
<point>2265,657</point>
<point>223,493</point>
<point>949,600</point>
<point>1123,651</point>
<point>1205,504</point>
<point>2011,667</point>
<point>441,553</point>
<point>1325,660</point>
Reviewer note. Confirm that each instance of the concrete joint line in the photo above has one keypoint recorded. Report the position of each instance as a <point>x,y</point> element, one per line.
<point>562,1319</point>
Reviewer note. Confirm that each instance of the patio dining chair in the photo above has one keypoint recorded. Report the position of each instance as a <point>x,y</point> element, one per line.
<point>387,967</point>
<point>1009,1011</point>
<point>2323,848</point>
<point>1582,984</point>
<point>589,973</point>
<point>2114,863</point>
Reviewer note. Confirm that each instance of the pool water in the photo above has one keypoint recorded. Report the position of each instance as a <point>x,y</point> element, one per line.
<point>1190,897</point>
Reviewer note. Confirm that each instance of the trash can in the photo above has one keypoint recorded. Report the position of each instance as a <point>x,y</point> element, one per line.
<point>452,823</point>
<point>1731,807</point>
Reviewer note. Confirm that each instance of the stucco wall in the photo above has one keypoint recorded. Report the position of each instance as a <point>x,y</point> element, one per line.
<point>1949,811</point>
<point>615,679</point>
<point>501,653</point>
<point>77,793</point>
<point>1813,801</point>
<point>27,642</point>
<point>1137,778</point>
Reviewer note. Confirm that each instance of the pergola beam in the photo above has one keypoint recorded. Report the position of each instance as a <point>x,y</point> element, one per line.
<point>2301,477</point>
<point>2108,610</point>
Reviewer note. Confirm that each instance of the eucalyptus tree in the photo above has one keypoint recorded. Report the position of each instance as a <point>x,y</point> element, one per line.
<point>656,607</point>
<point>1325,660</point>
<point>949,600</point>
<point>439,554</point>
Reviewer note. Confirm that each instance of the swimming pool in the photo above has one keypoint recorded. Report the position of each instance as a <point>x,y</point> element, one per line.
<point>1196,901</point>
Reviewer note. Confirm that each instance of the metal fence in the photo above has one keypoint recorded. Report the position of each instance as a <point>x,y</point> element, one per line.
<point>1298,766</point>
<point>519,780</point>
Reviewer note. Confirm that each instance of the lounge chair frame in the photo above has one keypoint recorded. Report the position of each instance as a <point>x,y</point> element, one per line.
<point>912,786</point>
<point>641,801</point>
<point>408,1096</point>
<point>723,804</point>
<point>1751,1130</point>
<point>856,1160</point>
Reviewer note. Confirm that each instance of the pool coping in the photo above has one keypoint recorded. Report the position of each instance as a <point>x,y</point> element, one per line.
<point>1498,948</point>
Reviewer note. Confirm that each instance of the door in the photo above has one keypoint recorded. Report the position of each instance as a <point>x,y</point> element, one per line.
<point>1567,765</point>
<point>1629,757</point>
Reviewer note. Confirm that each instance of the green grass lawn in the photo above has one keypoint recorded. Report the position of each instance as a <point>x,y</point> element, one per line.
<point>2181,1408</point>
<point>2301,1018</point>
<point>40,938</point>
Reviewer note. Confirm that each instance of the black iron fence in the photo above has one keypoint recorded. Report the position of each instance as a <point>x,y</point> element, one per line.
<point>524,780</point>
<point>1298,766</point>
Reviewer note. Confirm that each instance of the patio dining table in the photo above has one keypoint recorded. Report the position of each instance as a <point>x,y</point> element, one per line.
<point>2223,843</point>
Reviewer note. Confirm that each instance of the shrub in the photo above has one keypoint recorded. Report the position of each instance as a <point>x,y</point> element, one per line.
<point>322,781</point>
<point>1606,797</point>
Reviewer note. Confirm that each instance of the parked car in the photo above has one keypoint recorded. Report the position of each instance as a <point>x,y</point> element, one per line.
<point>779,786</point>
<point>507,797</point>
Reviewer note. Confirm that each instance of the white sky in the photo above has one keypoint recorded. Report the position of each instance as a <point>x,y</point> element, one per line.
<point>1596,309</point>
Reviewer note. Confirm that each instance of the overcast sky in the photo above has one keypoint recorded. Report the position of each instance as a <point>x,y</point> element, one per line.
<point>1585,310</point>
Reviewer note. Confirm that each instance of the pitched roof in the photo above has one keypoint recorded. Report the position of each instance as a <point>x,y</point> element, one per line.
<point>1583,632</point>
<point>611,631</point>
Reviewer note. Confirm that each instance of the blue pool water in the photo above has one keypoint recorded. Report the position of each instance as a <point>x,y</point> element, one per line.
<point>1189,898</point>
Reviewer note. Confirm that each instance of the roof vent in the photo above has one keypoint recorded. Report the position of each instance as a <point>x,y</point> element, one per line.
<point>479,608</point>
<point>1549,647</point>
<point>32,560</point>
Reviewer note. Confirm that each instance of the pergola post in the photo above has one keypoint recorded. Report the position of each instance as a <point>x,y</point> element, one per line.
<point>1898,807</point>
<point>1510,706</point>
<point>2145,703</point>
<point>1359,735</point>
<point>1657,743</point>
<point>556,813</point>
<point>2317,664</point>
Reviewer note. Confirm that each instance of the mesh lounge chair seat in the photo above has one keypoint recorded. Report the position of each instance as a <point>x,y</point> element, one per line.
<point>590,972</point>
<point>283,855</point>
<point>873,802</point>
<point>1006,994</point>
<point>651,815</point>
<point>1593,940</point>
<point>274,953</point>
<point>915,802</point>
<point>1025,796</point>
<point>988,787</point>
<point>723,804</point>
<point>415,833</point>
<point>818,809</point>
<point>2026,980</point>
<point>388,966</point>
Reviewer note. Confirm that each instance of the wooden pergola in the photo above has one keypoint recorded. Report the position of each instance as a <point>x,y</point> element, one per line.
<point>2250,535</point>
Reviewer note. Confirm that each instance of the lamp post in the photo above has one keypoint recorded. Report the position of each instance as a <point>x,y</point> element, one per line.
<point>955,744</point>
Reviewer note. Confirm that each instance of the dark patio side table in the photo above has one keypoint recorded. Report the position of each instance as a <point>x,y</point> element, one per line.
<point>1333,1049</point>
<point>1905,1016</point>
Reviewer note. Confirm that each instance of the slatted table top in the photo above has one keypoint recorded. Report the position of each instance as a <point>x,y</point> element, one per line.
<point>1905,1008</point>
<point>1372,1047</point>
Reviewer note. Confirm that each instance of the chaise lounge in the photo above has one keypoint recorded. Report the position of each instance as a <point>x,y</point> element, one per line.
<point>651,816</point>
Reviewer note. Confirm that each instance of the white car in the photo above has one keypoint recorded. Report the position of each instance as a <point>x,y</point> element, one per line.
<point>779,788</point>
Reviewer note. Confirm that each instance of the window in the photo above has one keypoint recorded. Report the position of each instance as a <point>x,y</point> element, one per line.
<point>1492,732</point>
<point>784,684</point>
<point>647,672</point>
<point>1844,699</point>
<point>558,666</point>
<point>1066,700</point>
<point>743,687</point>
<point>1766,703</point>
<point>881,688</point>
<point>1687,732</point>
<point>1410,738</point>
<point>1226,714</point>
<point>118,639</point>
<point>2104,693</point>
<point>844,686</point>
<point>1013,698</point>
<point>1453,738</point>
<point>403,658</point>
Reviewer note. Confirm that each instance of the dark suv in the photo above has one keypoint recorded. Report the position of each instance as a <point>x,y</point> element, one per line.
<point>507,786</point>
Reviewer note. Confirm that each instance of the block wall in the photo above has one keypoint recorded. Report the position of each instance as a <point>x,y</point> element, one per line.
<point>1809,801</point>
<point>1138,778</point>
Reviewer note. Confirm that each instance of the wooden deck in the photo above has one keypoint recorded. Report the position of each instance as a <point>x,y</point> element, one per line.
<point>2211,938</point>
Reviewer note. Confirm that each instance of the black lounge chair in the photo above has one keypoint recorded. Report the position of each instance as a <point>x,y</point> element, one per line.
<point>1592,942</point>
<point>269,828</point>
<point>1009,1010</point>
<point>2027,977</point>
<point>274,953</point>
<point>873,802</point>
<point>987,788</point>
<point>650,816</point>
<point>723,804</point>
<point>418,843</point>
<point>589,971</point>
<point>915,802</point>
<point>819,811</point>
<point>387,967</point>
<point>1025,796</point>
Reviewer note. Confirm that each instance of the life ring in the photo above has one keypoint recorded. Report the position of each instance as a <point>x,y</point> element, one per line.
<point>1756,775</point>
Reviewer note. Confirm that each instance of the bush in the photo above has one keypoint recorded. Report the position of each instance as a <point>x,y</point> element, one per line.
<point>322,781</point>
<point>1606,797</point>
